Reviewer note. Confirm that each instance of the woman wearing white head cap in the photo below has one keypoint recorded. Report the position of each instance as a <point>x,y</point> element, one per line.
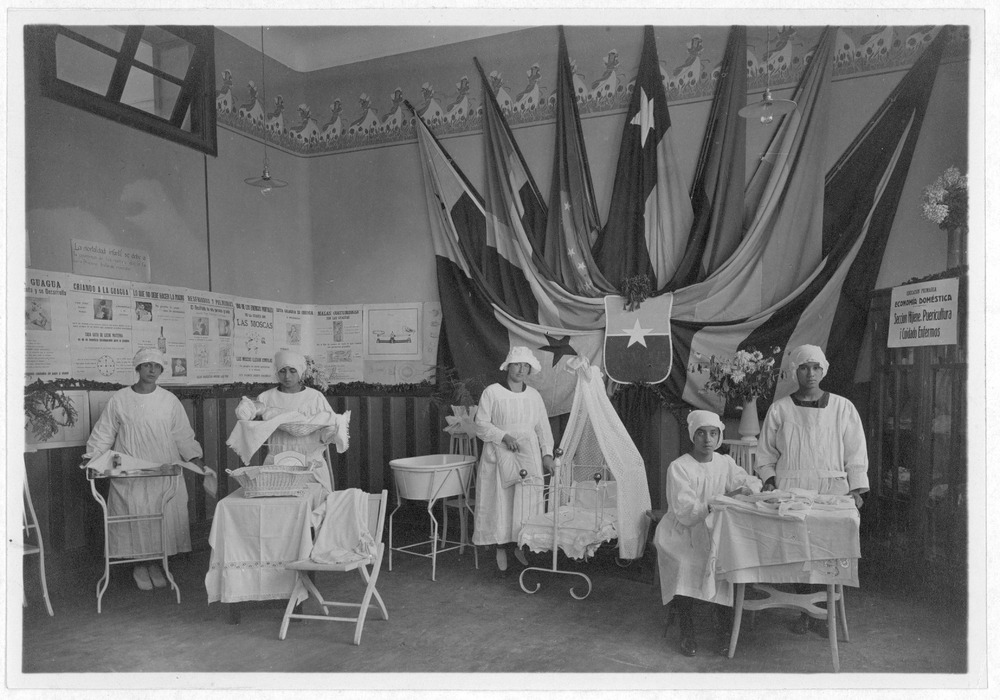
<point>147,422</point>
<point>682,539</point>
<point>514,426</point>
<point>813,440</point>
<point>292,395</point>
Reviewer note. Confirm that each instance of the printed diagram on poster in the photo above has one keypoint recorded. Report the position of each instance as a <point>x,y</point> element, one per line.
<point>65,436</point>
<point>393,331</point>
<point>925,313</point>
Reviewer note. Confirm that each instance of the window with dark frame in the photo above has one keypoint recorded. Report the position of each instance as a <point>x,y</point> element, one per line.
<point>159,79</point>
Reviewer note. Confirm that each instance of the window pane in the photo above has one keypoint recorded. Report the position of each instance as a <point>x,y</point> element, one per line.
<point>149,93</point>
<point>165,51</point>
<point>111,37</point>
<point>83,66</point>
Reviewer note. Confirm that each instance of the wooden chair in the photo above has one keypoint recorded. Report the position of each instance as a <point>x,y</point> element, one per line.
<point>369,569</point>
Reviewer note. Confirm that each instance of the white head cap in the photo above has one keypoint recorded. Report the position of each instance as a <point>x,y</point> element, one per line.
<point>150,355</point>
<point>519,353</point>
<point>808,353</point>
<point>705,419</point>
<point>289,358</point>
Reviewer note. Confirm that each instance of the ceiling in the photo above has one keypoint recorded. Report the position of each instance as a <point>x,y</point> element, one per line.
<point>308,48</point>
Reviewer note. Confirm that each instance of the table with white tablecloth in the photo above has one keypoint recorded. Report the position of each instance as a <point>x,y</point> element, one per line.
<point>752,544</point>
<point>252,540</point>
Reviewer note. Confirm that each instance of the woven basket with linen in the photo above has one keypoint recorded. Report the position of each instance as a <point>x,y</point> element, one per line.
<point>273,480</point>
<point>301,429</point>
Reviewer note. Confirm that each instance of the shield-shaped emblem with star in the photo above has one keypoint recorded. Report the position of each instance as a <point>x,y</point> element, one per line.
<point>637,346</point>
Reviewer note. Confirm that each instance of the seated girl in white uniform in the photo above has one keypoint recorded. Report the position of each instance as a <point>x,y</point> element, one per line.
<point>682,539</point>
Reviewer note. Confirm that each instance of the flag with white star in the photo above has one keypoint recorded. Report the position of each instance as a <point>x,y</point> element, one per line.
<point>651,214</point>
<point>637,346</point>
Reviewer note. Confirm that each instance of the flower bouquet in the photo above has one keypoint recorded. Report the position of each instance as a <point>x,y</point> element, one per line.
<point>742,378</point>
<point>946,201</point>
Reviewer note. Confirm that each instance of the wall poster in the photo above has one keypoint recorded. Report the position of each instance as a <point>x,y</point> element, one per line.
<point>254,340</point>
<point>46,326</point>
<point>100,329</point>
<point>159,320</point>
<point>393,332</point>
<point>209,327</point>
<point>339,344</point>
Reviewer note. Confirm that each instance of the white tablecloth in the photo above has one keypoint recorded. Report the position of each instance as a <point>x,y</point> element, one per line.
<point>755,547</point>
<point>252,540</point>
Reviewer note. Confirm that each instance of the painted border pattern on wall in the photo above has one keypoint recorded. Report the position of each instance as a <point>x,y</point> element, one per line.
<point>785,54</point>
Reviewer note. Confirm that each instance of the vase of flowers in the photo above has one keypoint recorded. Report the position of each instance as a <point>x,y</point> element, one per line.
<point>946,203</point>
<point>741,380</point>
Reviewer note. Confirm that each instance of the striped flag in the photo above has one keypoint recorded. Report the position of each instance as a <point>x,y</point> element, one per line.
<point>573,222</point>
<point>478,328</point>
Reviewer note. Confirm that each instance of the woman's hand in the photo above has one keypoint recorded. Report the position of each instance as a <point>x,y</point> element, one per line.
<point>858,501</point>
<point>510,442</point>
<point>548,464</point>
<point>768,485</point>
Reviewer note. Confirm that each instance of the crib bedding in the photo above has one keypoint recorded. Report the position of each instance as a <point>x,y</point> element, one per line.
<point>581,531</point>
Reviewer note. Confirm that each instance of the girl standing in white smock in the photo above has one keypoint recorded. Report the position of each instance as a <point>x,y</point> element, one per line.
<point>514,426</point>
<point>147,422</point>
<point>683,542</point>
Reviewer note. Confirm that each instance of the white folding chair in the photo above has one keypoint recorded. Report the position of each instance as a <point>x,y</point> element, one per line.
<point>368,568</point>
<point>29,523</point>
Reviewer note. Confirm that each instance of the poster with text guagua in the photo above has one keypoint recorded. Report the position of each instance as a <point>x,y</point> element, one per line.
<point>339,343</point>
<point>159,315</point>
<point>46,345</point>
<point>209,330</point>
<point>295,328</point>
<point>100,329</point>
<point>253,340</point>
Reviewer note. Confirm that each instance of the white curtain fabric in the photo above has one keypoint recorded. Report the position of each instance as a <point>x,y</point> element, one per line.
<point>596,435</point>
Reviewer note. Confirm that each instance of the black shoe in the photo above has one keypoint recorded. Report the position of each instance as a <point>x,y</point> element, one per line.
<point>801,625</point>
<point>688,646</point>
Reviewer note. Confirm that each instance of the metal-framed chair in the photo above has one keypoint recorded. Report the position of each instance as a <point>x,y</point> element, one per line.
<point>461,444</point>
<point>29,523</point>
<point>369,569</point>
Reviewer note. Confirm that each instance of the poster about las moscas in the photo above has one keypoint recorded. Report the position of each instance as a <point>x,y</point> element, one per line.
<point>254,340</point>
<point>925,313</point>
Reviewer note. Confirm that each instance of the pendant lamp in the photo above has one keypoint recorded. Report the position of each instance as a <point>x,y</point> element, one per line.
<point>768,107</point>
<point>265,182</point>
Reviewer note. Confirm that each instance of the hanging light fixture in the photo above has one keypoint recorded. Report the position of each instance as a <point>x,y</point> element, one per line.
<point>768,107</point>
<point>265,182</point>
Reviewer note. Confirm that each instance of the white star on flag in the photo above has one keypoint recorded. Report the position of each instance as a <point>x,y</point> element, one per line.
<point>644,117</point>
<point>636,334</point>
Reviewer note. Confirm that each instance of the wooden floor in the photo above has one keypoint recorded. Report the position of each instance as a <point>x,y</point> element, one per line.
<point>468,622</point>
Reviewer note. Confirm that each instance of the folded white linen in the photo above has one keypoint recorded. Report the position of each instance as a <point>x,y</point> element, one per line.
<point>343,535</point>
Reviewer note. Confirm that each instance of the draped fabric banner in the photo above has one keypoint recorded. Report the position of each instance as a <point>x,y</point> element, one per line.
<point>802,273</point>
